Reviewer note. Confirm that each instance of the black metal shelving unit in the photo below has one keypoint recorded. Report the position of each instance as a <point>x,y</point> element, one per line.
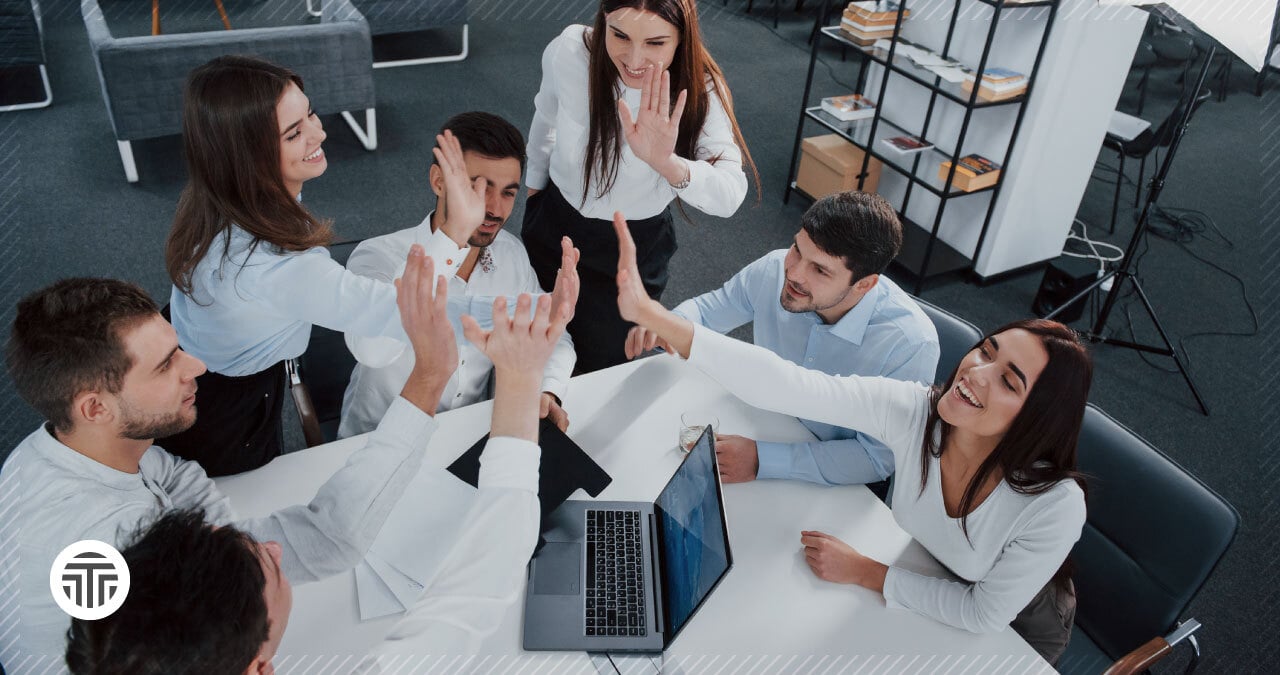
<point>923,254</point>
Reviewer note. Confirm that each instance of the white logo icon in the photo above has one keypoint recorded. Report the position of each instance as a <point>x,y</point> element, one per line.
<point>89,580</point>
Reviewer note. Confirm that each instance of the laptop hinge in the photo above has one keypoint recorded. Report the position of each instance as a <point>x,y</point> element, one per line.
<point>655,581</point>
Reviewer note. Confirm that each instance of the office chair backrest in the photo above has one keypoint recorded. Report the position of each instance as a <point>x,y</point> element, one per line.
<point>327,364</point>
<point>1163,135</point>
<point>1153,536</point>
<point>955,338</point>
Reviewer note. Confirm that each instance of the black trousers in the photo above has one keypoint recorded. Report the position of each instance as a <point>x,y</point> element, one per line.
<point>599,332</point>
<point>238,425</point>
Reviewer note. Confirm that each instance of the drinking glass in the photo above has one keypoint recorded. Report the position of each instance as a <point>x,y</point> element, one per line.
<point>692,424</point>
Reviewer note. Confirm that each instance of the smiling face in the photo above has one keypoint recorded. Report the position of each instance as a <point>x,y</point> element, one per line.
<point>502,184</point>
<point>158,394</point>
<point>817,281</point>
<point>637,40</point>
<point>992,383</point>
<point>301,134</point>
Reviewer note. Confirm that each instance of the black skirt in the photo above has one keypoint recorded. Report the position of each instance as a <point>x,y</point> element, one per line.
<point>599,332</point>
<point>238,425</point>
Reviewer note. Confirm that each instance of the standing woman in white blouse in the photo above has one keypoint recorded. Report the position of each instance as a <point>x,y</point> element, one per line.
<point>606,136</point>
<point>248,261</point>
<point>986,475</point>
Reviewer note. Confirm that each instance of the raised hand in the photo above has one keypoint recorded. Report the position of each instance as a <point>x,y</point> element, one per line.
<point>652,134</point>
<point>564,296</point>
<point>425,318</point>
<point>464,198</point>
<point>632,298</point>
<point>521,343</point>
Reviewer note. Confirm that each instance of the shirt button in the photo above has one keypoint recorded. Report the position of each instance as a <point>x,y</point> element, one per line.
<point>458,396</point>
<point>463,363</point>
<point>449,261</point>
<point>810,359</point>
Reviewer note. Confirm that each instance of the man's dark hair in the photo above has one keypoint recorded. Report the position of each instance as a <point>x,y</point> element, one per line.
<point>487,134</point>
<point>68,339</point>
<point>195,605</point>
<point>860,227</point>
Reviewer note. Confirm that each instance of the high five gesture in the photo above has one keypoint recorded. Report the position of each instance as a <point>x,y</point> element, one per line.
<point>653,133</point>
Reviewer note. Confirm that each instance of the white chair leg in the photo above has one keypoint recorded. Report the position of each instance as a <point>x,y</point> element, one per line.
<point>369,135</point>
<point>466,49</point>
<point>312,10</point>
<point>126,156</point>
<point>48,95</point>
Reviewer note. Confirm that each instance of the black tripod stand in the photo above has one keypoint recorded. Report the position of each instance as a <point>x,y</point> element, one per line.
<point>1123,274</point>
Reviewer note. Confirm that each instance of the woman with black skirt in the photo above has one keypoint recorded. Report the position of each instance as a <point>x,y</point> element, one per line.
<point>607,137</point>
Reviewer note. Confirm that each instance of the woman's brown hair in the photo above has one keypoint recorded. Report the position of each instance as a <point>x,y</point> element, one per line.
<point>692,68</point>
<point>232,141</point>
<point>1039,449</point>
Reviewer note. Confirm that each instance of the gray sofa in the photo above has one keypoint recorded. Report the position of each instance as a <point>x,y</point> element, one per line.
<point>142,77</point>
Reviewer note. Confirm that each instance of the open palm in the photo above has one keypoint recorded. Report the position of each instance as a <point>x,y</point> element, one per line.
<point>652,134</point>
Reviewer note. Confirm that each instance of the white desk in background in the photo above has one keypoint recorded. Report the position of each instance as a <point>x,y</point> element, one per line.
<point>769,609</point>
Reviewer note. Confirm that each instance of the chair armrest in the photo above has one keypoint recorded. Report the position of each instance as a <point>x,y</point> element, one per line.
<point>1156,649</point>
<point>306,409</point>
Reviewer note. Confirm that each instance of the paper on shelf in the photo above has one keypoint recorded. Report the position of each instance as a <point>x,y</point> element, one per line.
<point>949,73</point>
<point>1126,127</point>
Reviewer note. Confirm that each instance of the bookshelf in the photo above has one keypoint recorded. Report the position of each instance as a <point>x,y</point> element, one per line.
<point>948,121</point>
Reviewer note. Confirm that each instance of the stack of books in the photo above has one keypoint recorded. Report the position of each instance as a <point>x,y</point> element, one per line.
<point>865,22</point>
<point>973,172</point>
<point>849,107</point>
<point>998,84</point>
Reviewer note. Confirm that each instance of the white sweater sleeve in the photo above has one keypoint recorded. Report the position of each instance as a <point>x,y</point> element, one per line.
<point>890,410</point>
<point>372,261</point>
<point>1034,552</point>
<point>717,183</point>
<point>482,576</point>
<point>542,131</point>
<point>333,532</point>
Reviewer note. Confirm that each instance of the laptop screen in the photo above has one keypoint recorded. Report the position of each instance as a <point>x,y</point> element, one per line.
<point>694,543</point>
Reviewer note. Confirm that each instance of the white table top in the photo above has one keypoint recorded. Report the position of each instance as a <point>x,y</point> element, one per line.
<point>770,604</point>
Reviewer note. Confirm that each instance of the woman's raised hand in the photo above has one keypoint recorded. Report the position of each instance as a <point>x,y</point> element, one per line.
<point>464,198</point>
<point>653,132</point>
<point>632,298</point>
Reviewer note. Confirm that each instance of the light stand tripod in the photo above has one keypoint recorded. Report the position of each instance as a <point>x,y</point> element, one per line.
<point>1186,106</point>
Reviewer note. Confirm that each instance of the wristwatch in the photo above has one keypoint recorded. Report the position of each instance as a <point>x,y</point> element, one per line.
<point>688,175</point>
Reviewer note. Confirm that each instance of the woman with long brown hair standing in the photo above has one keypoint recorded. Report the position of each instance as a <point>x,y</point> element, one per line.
<point>248,262</point>
<point>632,114</point>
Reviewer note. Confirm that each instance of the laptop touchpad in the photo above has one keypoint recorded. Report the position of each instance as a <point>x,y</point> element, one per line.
<point>559,569</point>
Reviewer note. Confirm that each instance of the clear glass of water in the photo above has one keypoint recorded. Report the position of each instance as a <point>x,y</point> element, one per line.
<point>691,426</point>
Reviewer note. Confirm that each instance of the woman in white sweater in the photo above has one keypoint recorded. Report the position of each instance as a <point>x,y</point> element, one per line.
<point>632,114</point>
<point>986,466</point>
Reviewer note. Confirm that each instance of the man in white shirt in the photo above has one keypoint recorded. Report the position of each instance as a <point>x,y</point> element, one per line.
<point>823,304</point>
<point>217,600</point>
<point>496,265</point>
<point>97,360</point>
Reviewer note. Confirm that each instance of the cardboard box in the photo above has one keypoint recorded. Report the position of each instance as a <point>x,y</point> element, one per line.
<point>830,164</point>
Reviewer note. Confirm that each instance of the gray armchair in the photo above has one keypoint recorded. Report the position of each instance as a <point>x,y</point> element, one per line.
<point>404,16</point>
<point>142,77</point>
<point>22,56</point>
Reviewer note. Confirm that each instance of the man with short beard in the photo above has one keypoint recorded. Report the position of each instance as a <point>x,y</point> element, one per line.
<point>823,304</point>
<point>497,265</point>
<point>97,360</point>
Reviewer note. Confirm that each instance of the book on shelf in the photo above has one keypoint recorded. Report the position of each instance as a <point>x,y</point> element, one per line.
<point>863,38</point>
<point>998,84</point>
<point>861,19</point>
<point>973,172</point>
<point>994,94</point>
<point>849,107</point>
<point>997,76</point>
<point>907,145</point>
<point>876,11</point>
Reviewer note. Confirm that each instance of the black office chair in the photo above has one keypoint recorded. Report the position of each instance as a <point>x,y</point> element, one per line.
<point>1272,46</point>
<point>955,338</point>
<point>1153,536</point>
<point>319,377</point>
<point>1142,146</point>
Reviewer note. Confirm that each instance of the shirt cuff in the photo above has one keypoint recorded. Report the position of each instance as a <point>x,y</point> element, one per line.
<point>775,460</point>
<point>894,580</point>
<point>406,424</point>
<point>536,178</point>
<point>446,253</point>
<point>554,386</point>
<point>510,463</point>
<point>688,310</point>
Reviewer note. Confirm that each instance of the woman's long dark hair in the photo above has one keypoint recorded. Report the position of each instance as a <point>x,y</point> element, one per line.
<point>691,69</point>
<point>1039,449</point>
<point>232,141</point>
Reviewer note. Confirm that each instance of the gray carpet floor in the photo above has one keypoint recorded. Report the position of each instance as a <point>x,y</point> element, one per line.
<point>65,209</point>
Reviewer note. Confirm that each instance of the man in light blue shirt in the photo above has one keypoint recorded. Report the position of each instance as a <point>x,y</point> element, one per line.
<point>822,304</point>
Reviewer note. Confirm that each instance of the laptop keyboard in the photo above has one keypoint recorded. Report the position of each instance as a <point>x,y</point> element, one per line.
<point>615,574</point>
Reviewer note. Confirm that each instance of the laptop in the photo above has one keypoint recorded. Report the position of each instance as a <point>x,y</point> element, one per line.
<point>628,576</point>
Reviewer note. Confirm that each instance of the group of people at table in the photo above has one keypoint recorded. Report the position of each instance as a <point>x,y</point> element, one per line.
<point>141,411</point>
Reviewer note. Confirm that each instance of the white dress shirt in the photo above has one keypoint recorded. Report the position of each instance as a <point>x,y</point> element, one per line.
<point>558,141</point>
<point>254,308</point>
<point>383,364</point>
<point>67,497</point>
<point>1016,541</point>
